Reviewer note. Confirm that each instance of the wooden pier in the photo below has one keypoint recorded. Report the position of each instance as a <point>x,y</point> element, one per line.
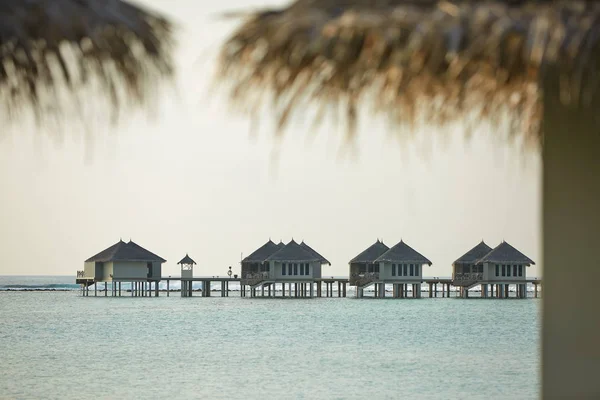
<point>296,289</point>
<point>317,288</point>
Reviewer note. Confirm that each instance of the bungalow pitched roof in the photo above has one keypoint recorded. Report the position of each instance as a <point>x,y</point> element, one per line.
<point>122,251</point>
<point>371,253</point>
<point>310,249</point>
<point>403,253</point>
<point>295,252</point>
<point>474,254</point>
<point>504,252</point>
<point>187,260</point>
<point>263,252</point>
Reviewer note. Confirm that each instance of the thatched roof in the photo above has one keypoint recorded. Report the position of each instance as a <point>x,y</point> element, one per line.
<point>187,260</point>
<point>295,253</point>
<point>505,253</point>
<point>474,254</point>
<point>51,46</point>
<point>403,253</point>
<point>122,251</point>
<point>371,253</point>
<point>436,60</point>
<point>310,249</point>
<point>263,252</point>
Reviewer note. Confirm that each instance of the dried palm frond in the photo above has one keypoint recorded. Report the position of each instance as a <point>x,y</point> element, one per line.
<point>52,47</point>
<point>435,60</point>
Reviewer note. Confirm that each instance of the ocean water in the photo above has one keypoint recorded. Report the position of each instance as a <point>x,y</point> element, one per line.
<point>59,345</point>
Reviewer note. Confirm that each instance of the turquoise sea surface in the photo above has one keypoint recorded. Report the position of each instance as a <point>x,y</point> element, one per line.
<point>62,346</point>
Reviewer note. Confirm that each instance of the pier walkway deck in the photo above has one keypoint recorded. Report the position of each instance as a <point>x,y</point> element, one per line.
<point>141,287</point>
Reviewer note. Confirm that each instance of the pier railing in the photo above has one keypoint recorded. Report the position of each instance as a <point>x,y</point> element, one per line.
<point>467,278</point>
<point>364,278</point>
<point>81,274</point>
<point>254,278</point>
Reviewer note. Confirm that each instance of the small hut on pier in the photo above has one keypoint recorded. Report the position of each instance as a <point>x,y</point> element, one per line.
<point>123,262</point>
<point>187,271</point>
<point>364,263</point>
<point>465,268</point>
<point>256,263</point>
<point>401,265</point>
<point>503,266</point>
<point>293,263</point>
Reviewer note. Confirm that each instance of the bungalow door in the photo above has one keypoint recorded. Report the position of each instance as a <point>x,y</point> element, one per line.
<point>149,266</point>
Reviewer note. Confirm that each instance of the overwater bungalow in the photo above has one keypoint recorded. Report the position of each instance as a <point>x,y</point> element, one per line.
<point>494,269</point>
<point>256,262</point>
<point>123,262</point>
<point>364,263</point>
<point>465,272</point>
<point>400,265</point>
<point>293,263</point>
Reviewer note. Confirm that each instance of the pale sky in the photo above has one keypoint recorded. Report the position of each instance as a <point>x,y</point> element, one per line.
<point>194,180</point>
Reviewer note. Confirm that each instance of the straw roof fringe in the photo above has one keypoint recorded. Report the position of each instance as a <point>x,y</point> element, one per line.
<point>436,60</point>
<point>49,46</point>
<point>471,256</point>
<point>122,251</point>
<point>504,252</point>
<point>295,252</point>
<point>403,253</point>
<point>263,252</point>
<point>371,253</point>
<point>313,251</point>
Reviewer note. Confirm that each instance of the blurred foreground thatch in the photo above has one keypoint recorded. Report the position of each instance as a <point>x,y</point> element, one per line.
<point>51,47</point>
<point>431,60</point>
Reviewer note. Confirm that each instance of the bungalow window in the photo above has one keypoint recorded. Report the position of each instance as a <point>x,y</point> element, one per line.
<point>497,270</point>
<point>393,269</point>
<point>404,268</point>
<point>376,268</point>
<point>520,270</point>
<point>416,269</point>
<point>306,267</point>
<point>508,270</point>
<point>290,269</point>
<point>302,269</point>
<point>412,270</point>
<point>295,269</point>
<point>283,268</point>
<point>503,270</point>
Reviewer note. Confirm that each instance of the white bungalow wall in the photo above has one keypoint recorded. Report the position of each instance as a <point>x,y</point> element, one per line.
<point>89,269</point>
<point>489,273</point>
<point>98,270</point>
<point>275,271</point>
<point>135,270</point>
<point>385,273</point>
